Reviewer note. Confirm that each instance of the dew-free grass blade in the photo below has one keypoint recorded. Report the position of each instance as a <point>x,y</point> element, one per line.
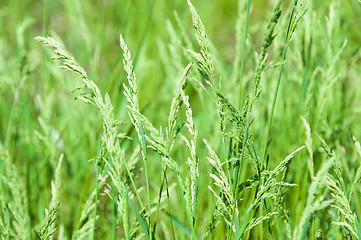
<point>140,219</point>
<point>180,225</point>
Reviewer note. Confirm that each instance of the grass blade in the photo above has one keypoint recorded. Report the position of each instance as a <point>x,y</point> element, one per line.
<point>141,221</point>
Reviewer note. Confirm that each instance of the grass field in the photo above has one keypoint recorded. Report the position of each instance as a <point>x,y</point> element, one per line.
<point>156,119</point>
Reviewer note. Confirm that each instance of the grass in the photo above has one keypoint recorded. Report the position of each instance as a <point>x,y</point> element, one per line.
<point>218,120</point>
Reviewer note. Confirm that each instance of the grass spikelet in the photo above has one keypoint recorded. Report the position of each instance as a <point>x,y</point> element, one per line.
<point>110,135</point>
<point>313,203</point>
<point>256,221</point>
<point>118,171</point>
<point>68,62</point>
<point>5,229</point>
<point>86,222</point>
<point>267,189</point>
<point>139,121</point>
<point>283,164</point>
<point>342,204</point>
<point>192,191</point>
<point>156,138</point>
<point>174,110</point>
<point>48,228</point>
<point>267,41</point>
<point>324,145</point>
<point>18,205</point>
<point>55,185</point>
<point>308,143</point>
<point>358,173</point>
<point>337,165</point>
<point>123,209</point>
<point>203,58</point>
<point>133,107</point>
<point>104,105</point>
<point>232,114</point>
<point>211,226</point>
<point>226,201</point>
<point>128,66</point>
<point>300,12</point>
<point>290,25</point>
<point>116,174</point>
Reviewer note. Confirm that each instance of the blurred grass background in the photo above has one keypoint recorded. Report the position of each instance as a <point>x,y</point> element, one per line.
<point>40,120</point>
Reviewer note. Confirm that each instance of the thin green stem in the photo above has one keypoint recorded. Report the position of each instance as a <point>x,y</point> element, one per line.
<point>194,203</point>
<point>236,179</point>
<point>134,186</point>
<point>277,86</point>
<point>114,222</point>
<point>144,154</point>
<point>243,54</point>
<point>171,221</point>
<point>127,234</point>
<point>159,199</point>
<point>185,205</point>
<point>227,157</point>
<point>11,119</point>
<point>96,198</point>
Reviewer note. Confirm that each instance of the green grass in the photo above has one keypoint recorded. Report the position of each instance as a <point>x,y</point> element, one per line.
<point>180,119</point>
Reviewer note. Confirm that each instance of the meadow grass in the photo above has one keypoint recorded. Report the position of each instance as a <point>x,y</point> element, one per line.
<point>218,120</point>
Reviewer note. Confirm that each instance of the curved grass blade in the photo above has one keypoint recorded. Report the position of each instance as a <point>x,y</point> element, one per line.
<point>180,225</point>
<point>141,221</point>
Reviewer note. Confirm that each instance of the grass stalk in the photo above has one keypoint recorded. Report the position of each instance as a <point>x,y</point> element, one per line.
<point>243,55</point>
<point>277,86</point>
<point>189,216</point>
<point>97,167</point>
<point>145,161</point>
<point>235,181</point>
